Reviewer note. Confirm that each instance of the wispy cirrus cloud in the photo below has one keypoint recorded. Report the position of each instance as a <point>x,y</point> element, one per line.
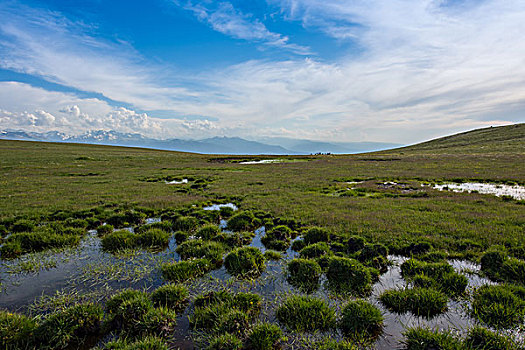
<point>223,17</point>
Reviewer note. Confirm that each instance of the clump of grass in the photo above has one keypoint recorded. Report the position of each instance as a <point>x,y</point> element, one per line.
<point>113,303</point>
<point>332,344</point>
<point>130,310</point>
<point>435,256</point>
<point>181,236</point>
<point>298,245</point>
<point>272,255</point>
<point>264,336</point>
<point>119,240</point>
<point>316,235</point>
<point>278,238</point>
<point>128,218</point>
<point>234,239</point>
<point>207,232</point>
<point>315,250</point>
<point>348,276</point>
<point>159,322</point>
<point>413,267</point>
<point>148,343</point>
<point>68,327</point>
<point>153,238</point>
<point>437,275</point>
<point>426,339</point>
<point>498,306</point>
<point>42,238</point>
<point>499,267</point>
<point>451,283</point>
<point>226,212</point>
<point>134,315</point>
<point>245,262</point>
<point>225,342</point>
<point>361,320</point>
<point>22,226</point>
<point>303,313</point>
<point>223,311</point>
<point>172,296</point>
<point>199,249</point>
<point>371,251</point>
<point>165,226</point>
<point>243,221</point>
<point>104,230</point>
<point>354,244</point>
<point>184,270</point>
<point>480,338</point>
<point>185,223</point>
<point>416,248</point>
<point>11,250</point>
<point>424,302</point>
<point>233,321</point>
<point>304,274</point>
<point>16,330</point>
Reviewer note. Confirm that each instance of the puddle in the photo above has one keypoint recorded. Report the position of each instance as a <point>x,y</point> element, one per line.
<point>175,182</point>
<point>516,191</point>
<point>152,220</point>
<point>219,206</point>
<point>264,161</point>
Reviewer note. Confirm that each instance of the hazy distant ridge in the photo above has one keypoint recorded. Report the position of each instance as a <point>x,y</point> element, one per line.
<point>214,145</point>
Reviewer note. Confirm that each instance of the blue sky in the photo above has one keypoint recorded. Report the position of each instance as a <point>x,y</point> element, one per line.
<point>335,70</point>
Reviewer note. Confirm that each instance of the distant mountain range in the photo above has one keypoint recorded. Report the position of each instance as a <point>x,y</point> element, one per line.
<point>214,145</point>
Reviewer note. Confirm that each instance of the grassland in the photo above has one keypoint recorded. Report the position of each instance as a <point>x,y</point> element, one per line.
<point>364,207</point>
<point>38,178</point>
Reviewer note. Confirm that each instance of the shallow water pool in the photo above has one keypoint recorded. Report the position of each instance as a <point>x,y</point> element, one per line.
<point>516,191</point>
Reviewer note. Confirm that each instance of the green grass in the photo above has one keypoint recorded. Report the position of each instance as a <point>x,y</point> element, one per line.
<point>225,342</point>
<point>499,306</point>
<point>16,330</point>
<point>348,276</point>
<point>148,343</point>
<point>225,312</point>
<point>304,274</point>
<point>47,202</point>
<point>184,270</point>
<point>302,313</point>
<point>265,336</point>
<point>172,296</point>
<point>427,339</point>
<point>32,187</point>
<point>245,262</point>
<point>68,327</point>
<point>361,320</point>
<point>424,302</point>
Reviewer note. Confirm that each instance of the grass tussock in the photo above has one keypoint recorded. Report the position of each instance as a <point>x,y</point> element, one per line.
<point>245,262</point>
<point>424,302</point>
<point>306,314</point>
<point>499,306</point>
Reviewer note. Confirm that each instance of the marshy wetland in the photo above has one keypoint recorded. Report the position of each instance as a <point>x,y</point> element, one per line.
<point>334,252</point>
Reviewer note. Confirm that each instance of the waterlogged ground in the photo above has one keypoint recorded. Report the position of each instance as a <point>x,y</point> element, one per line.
<point>43,282</point>
<point>515,191</point>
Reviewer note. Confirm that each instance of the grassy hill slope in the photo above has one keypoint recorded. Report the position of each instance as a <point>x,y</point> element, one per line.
<point>487,140</point>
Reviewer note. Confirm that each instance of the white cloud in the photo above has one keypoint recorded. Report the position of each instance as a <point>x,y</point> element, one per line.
<point>425,70</point>
<point>224,18</point>
<point>69,114</point>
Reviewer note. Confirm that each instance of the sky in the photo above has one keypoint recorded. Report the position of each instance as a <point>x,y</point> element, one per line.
<point>398,71</point>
